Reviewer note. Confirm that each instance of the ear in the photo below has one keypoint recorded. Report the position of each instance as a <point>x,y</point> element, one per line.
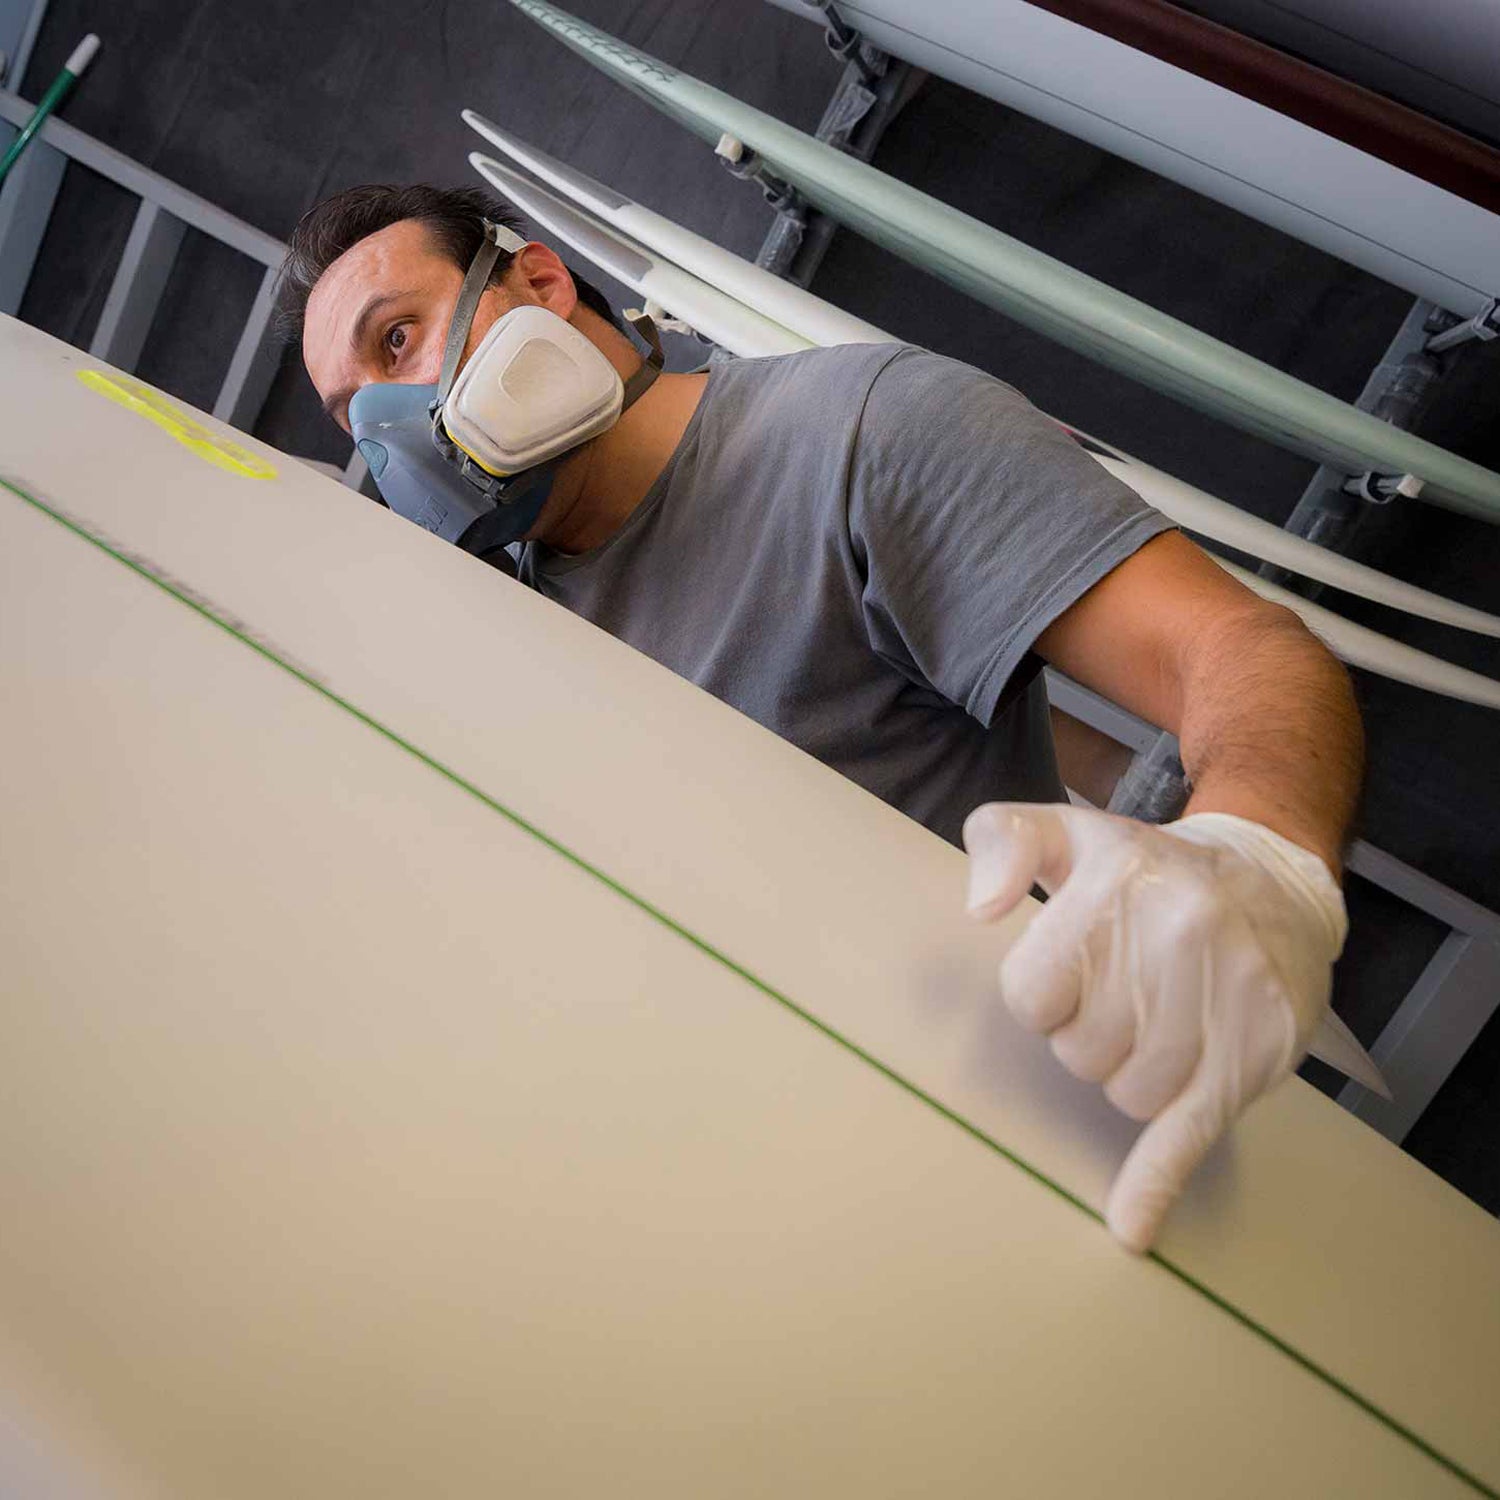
<point>537,275</point>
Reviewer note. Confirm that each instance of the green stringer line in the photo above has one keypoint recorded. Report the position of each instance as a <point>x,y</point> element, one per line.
<point>770,991</point>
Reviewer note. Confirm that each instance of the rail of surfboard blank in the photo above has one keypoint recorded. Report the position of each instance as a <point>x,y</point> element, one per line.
<point>370,1035</point>
<point>1209,137</point>
<point>733,281</point>
<point>1457,992</point>
<point>1065,304</point>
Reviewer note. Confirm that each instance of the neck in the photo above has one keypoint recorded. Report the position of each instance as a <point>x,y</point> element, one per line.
<point>598,489</point>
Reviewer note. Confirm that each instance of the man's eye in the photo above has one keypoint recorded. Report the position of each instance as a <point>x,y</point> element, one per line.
<point>395,339</point>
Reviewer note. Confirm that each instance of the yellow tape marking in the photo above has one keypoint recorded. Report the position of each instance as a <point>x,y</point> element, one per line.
<point>137,396</point>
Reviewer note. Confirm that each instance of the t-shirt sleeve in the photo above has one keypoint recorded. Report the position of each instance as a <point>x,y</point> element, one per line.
<point>975,522</point>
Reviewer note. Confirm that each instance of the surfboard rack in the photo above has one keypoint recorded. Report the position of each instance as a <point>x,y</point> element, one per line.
<point>1381,489</point>
<point>848,44</point>
<point>1483,326</point>
<point>873,90</point>
<point>1424,350</point>
<point>740,161</point>
<point>784,240</point>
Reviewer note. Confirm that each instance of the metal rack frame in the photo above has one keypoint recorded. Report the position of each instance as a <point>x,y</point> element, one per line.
<point>163,216</point>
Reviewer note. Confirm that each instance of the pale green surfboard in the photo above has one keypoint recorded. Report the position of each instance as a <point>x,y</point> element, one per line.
<point>1036,290</point>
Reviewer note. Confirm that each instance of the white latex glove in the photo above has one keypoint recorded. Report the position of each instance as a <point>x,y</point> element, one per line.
<point>1184,967</point>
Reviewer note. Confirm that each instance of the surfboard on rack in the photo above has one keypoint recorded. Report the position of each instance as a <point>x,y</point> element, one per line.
<point>632,263</point>
<point>1075,309</point>
<point>1091,71</point>
<point>444,1050</point>
<point>663,247</point>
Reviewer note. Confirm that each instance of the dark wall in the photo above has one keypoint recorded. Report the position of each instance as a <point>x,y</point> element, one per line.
<point>265,109</point>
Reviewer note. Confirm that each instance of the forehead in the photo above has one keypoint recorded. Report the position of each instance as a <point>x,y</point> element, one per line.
<point>400,257</point>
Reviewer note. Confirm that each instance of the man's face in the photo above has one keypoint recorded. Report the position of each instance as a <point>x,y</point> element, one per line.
<point>380,313</point>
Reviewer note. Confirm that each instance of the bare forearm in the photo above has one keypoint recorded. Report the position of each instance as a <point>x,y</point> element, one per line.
<point>1264,715</point>
<point>1269,731</point>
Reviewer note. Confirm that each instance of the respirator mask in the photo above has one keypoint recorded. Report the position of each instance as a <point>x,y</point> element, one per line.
<point>472,458</point>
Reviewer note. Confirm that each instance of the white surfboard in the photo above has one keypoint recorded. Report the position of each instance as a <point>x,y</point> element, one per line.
<point>1209,138</point>
<point>445,1052</point>
<point>620,257</point>
<point>720,271</point>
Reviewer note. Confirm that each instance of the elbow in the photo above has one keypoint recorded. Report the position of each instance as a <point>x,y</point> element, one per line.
<point>1285,625</point>
<point>1266,659</point>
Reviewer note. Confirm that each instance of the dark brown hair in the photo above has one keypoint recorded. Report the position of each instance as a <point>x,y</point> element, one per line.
<point>453,218</point>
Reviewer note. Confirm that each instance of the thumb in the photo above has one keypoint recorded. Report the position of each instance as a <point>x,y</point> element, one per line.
<point>1162,1160</point>
<point>1011,846</point>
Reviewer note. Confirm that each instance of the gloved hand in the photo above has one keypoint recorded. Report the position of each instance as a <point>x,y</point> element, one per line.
<point>1185,967</point>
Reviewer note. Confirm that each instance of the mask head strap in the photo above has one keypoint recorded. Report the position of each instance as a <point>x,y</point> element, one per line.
<point>645,377</point>
<point>496,238</point>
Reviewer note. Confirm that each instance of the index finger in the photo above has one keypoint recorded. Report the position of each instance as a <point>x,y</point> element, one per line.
<point>1164,1157</point>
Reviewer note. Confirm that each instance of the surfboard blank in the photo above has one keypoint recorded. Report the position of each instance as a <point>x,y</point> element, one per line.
<point>1054,299</point>
<point>359,1136</point>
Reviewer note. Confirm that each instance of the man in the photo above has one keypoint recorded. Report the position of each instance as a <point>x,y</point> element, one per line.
<point>870,550</point>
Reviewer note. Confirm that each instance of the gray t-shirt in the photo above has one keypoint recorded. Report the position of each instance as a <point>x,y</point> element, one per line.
<point>857,547</point>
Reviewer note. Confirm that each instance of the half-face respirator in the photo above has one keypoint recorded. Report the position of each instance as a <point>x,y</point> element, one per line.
<point>472,457</point>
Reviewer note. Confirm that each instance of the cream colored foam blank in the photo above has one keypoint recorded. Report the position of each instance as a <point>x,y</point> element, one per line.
<point>356,1141</point>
